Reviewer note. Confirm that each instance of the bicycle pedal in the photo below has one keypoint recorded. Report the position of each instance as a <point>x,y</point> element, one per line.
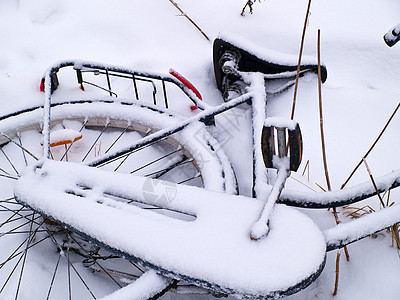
<point>281,138</point>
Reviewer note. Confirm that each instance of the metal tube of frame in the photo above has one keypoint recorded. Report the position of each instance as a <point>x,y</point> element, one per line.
<point>135,87</point>
<point>165,94</point>
<point>202,117</point>
<point>46,119</point>
<point>108,82</point>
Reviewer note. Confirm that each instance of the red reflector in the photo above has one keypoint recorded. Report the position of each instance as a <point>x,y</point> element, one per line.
<point>42,85</point>
<point>187,84</point>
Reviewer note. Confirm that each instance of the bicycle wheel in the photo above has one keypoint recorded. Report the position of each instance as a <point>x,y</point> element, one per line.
<point>42,260</point>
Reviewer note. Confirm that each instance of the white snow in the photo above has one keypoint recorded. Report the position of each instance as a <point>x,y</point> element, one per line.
<point>370,224</point>
<point>269,55</point>
<point>64,136</point>
<point>149,284</point>
<point>280,123</point>
<point>246,267</point>
<point>361,91</point>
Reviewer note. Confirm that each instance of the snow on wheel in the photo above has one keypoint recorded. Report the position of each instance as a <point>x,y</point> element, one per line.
<point>34,248</point>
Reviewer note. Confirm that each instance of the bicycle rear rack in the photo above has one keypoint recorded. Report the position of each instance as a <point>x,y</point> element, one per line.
<point>85,72</point>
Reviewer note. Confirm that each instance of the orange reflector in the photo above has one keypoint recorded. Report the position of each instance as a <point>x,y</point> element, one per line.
<point>65,142</point>
<point>64,137</point>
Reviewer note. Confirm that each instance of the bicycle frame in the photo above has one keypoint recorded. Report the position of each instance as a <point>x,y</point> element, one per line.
<point>252,92</point>
<point>50,82</point>
<point>206,115</point>
<point>251,95</point>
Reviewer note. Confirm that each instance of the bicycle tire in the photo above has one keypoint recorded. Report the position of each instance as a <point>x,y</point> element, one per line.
<point>101,121</point>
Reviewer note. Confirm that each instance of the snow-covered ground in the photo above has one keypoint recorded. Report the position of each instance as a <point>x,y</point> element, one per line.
<point>361,92</point>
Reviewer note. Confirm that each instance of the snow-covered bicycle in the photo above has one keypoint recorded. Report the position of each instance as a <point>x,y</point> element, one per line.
<point>152,203</point>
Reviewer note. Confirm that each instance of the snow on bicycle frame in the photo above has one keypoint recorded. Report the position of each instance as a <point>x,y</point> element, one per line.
<point>280,264</point>
<point>171,265</point>
<point>50,83</point>
<point>64,213</point>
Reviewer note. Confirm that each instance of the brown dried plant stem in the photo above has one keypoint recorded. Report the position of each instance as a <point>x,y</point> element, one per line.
<point>190,20</point>
<point>394,229</point>
<point>249,3</point>
<point>373,145</point>
<point>321,120</point>
<point>299,61</point>
<point>328,183</point>
<point>337,273</point>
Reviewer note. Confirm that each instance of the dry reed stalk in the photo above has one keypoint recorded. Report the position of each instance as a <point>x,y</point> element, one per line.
<point>337,274</point>
<point>373,145</point>
<point>307,167</point>
<point>249,3</point>
<point>302,183</point>
<point>373,182</point>
<point>387,199</point>
<point>299,61</point>
<point>190,20</point>
<point>328,183</point>
<point>324,190</point>
<point>394,229</point>
<point>357,212</point>
<point>395,235</point>
<point>321,120</point>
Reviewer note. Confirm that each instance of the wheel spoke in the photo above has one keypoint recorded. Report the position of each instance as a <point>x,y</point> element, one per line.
<point>27,230</point>
<point>95,261</point>
<point>24,259</point>
<point>156,160</point>
<point>13,231</point>
<point>6,173</point>
<point>19,145</point>
<point>82,280</point>
<point>94,143</point>
<point>10,200</point>
<point>15,253</point>
<point>10,162</point>
<point>69,275</point>
<point>8,176</point>
<point>159,173</point>
<point>11,274</point>
<point>15,213</point>
<point>53,277</point>
<point>19,232</point>
<point>65,153</point>
<point>23,152</point>
<point>198,175</point>
<point>136,266</point>
<point>125,156</point>
<point>117,139</point>
<point>73,142</point>
<point>10,218</point>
